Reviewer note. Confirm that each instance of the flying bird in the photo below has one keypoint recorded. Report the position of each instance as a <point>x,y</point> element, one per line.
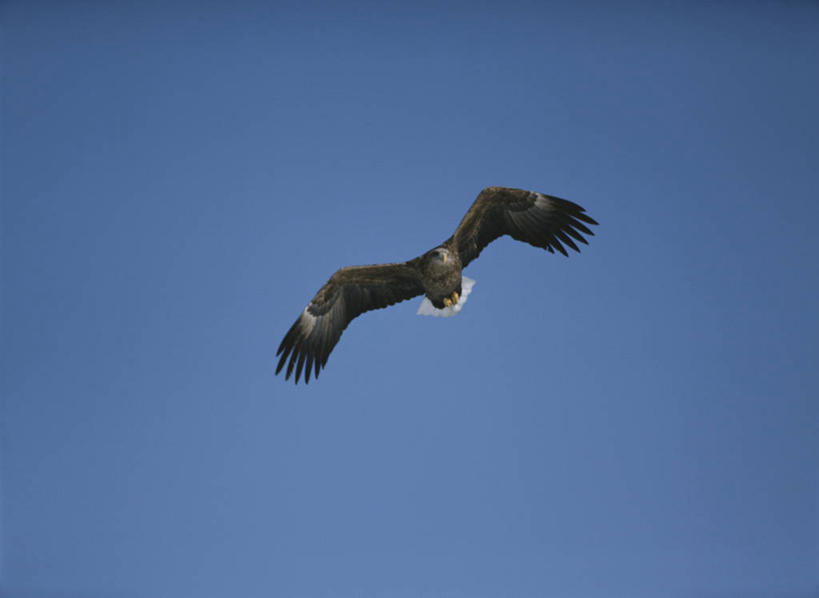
<point>541,220</point>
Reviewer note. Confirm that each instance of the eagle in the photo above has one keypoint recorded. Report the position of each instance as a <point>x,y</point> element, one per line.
<point>544,221</point>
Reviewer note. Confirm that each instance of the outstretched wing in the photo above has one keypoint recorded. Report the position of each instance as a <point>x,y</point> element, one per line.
<point>350,292</point>
<point>538,219</point>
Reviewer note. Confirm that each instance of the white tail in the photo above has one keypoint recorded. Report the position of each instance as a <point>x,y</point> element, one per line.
<point>427,309</point>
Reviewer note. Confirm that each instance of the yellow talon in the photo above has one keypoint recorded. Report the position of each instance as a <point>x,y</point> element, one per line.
<point>447,302</point>
<point>455,297</point>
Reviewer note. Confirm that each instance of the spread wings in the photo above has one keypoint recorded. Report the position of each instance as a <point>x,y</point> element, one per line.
<point>350,292</point>
<point>538,219</point>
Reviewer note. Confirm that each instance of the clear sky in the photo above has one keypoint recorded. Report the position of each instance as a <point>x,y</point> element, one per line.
<point>178,179</point>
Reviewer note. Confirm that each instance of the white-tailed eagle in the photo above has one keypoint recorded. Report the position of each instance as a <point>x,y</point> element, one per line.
<point>540,220</point>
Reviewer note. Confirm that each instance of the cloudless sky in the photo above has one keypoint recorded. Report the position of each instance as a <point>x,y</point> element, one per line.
<point>179,179</point>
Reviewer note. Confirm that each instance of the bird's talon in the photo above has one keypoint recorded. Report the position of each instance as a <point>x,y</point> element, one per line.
<point>447,302</point>
<point>455,297</point>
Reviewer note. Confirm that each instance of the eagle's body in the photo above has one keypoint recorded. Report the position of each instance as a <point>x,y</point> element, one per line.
<point>540,220</point>
<point>441,276</point>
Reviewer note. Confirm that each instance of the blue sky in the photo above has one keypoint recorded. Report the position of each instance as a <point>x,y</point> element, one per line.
<point>178,179</point>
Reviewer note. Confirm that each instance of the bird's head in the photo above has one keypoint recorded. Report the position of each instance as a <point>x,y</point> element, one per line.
<point>441,255</point>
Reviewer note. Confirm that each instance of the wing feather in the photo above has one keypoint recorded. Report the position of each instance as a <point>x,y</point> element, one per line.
<point>350,292</point>
<point>541,220</point>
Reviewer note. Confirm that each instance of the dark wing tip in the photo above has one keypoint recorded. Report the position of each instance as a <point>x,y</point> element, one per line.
<point>586,218</point>
<point>281,364</point>
<point>303,350</point>
<point>293,351</point>
<point>556,244</point>
<point>569,222</point>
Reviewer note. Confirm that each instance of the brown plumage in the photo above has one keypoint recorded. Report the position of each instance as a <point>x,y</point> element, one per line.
<point>540,220</point>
